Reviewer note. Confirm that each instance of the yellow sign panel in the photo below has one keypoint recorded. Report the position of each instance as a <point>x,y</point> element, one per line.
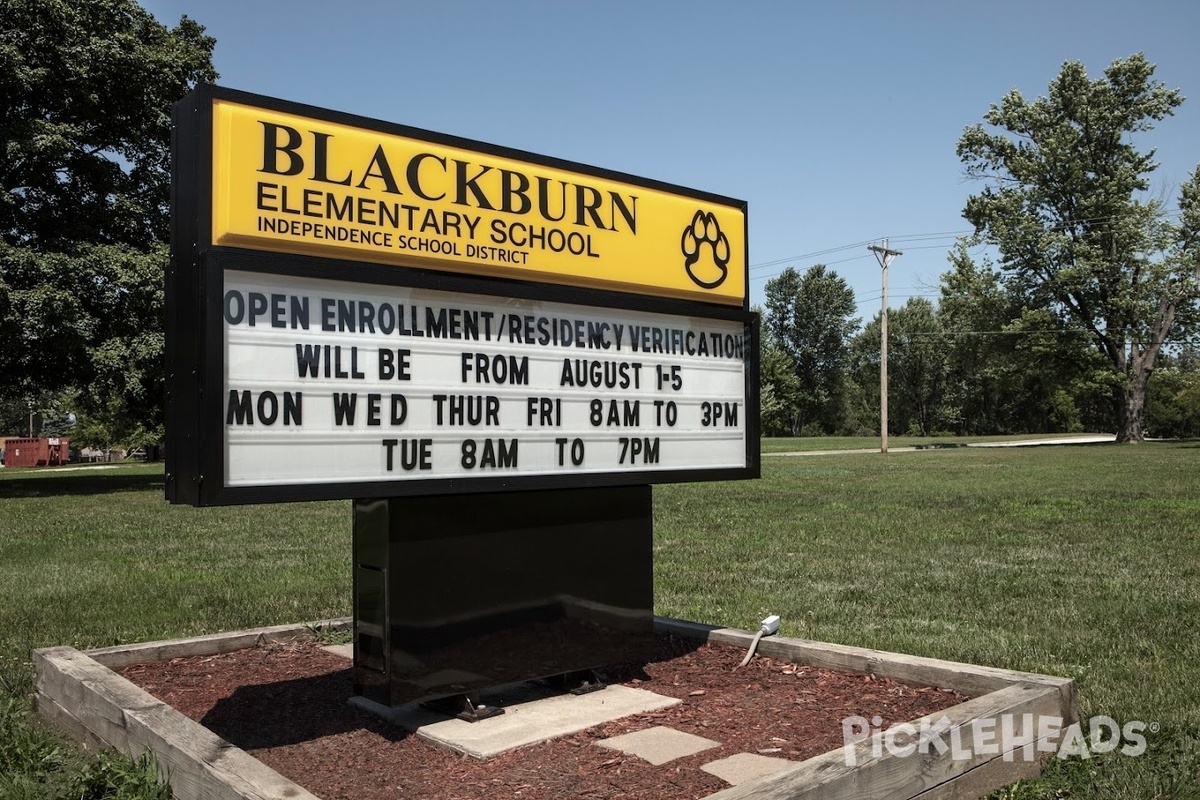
<point>296,184</point>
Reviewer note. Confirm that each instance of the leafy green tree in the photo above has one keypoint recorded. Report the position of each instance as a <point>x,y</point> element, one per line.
<point>973,308</point>
<point>1064,205</point>
<point>917,367</point>
<point>917,364</point>
<point>1173,398</point>
<point>1055,381</point>
<point>780,390</point>
<point>863,380</point>
<point>808,318</point>
<point>1012,369</point>
<point>86,88</point>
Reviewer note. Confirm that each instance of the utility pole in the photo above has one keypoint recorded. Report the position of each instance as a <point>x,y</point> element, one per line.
<point>884,256</point>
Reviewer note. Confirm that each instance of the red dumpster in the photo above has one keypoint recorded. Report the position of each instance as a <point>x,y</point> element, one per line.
<point>38,451</point>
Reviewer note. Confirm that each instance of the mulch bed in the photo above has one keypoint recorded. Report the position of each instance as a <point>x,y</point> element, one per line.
<point>287,706</point>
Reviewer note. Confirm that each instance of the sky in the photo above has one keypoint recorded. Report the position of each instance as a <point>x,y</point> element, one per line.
<point>836,122</point>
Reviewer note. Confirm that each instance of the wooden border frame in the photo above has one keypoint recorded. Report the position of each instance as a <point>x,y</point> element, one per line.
<point>81,694</point>
<point>928,775</point>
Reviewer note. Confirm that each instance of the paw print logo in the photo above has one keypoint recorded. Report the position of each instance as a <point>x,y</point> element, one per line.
<point>705,230</point>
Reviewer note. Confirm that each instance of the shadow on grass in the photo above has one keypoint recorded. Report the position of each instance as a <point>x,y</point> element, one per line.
<point>49,484</point>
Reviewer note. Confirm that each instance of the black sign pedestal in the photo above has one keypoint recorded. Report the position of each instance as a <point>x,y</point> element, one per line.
<point>456,594</point>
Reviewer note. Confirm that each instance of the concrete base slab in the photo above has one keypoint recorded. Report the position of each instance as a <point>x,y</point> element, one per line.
<point>659,745</point>
<point>745,767</point>
<point>524,722</point>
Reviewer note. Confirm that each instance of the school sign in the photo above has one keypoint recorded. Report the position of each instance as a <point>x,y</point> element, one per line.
<point>362,309</point>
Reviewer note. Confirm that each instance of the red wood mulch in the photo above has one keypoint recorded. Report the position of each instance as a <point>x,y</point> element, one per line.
<point>286,705</point>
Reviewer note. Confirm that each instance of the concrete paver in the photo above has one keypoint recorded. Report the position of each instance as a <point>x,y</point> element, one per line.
<point>659,745</point>
<point>524,722</point>
<point>744,767</point>
<point>343,650</point>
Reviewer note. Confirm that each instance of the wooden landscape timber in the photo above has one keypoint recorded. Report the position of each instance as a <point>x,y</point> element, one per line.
<point>80,693</point>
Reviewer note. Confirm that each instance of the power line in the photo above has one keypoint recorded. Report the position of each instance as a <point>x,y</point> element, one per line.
<point>916,237</point>
<point>837,261</point>
<point>826,263</point>
<point>1057,331</point>
<point>930,236</point>
<point>927,247</point>
<point>912,237</point>
<point>875,294</point>
<point>804,256</point>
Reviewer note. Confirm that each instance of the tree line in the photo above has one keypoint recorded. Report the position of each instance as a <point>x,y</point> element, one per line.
<point>975,360</point>
<point>1084,321</point>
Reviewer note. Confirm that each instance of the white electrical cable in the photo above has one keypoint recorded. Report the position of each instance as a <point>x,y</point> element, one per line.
<point>769,626</point>
<point>753,646</point>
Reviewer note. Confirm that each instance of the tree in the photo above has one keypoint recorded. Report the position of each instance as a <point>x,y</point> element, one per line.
<point>1064,204</point>
<point>917,367</point>
<point>917,364</point>
<point>779,390</point>
<point>86,88</point>
<point>808,318</point>
<point>1012,369</point>
<point>973,308</point>
<point>1173,397</point>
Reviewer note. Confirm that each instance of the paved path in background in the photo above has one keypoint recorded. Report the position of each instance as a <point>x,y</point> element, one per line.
<point>1090,439</point>
<point>57,470</point>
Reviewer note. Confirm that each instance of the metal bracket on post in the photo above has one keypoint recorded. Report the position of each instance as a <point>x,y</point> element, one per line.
<point>473,712</point>
<point>463,706</point>
<point>584,681</point>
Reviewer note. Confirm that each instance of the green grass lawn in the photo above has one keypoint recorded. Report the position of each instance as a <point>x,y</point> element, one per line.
<point>1081,561</point>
